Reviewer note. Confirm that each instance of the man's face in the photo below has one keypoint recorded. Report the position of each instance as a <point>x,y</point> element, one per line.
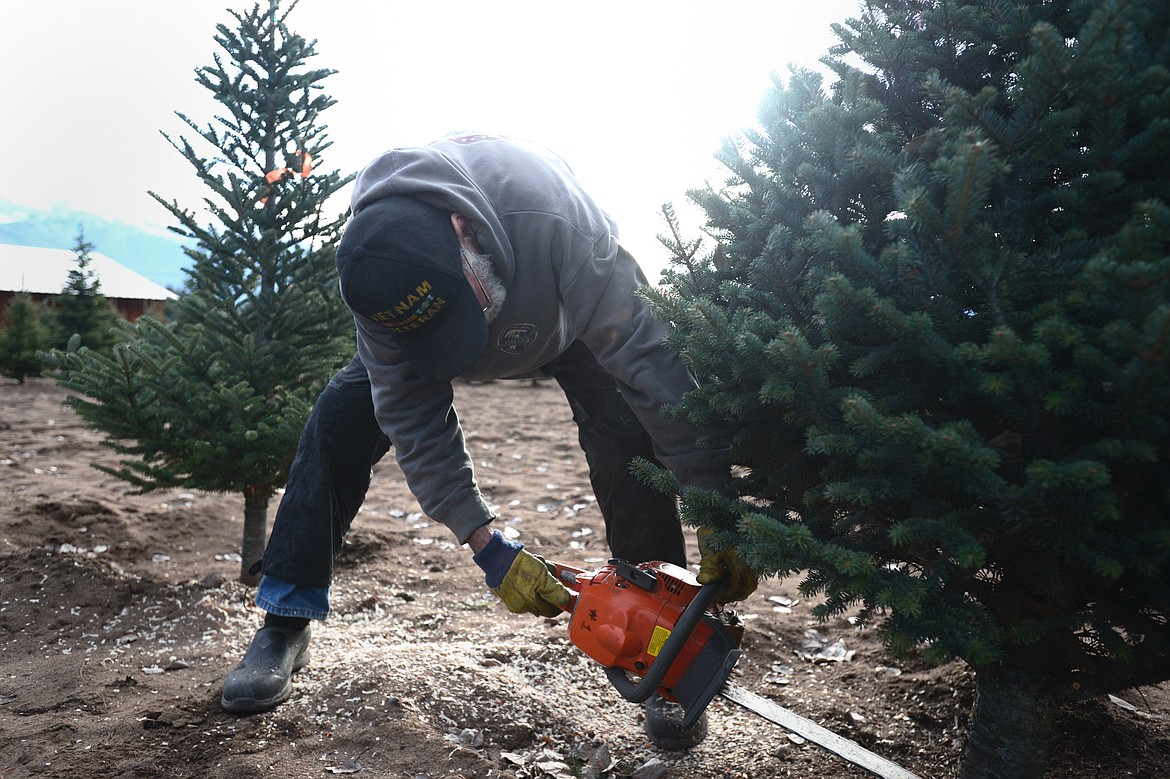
<point>481,275</point>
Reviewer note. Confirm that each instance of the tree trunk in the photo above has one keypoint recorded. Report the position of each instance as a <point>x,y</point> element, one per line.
<point>1011,727</point>
<point>255,532</point>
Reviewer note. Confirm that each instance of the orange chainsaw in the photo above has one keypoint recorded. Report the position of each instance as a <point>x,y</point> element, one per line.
<point>654,620</point>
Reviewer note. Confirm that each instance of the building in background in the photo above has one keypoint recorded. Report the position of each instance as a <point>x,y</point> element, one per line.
<point>43,273</point>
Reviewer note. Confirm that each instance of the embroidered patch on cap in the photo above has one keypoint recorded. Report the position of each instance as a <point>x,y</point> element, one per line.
<point>415,314</point>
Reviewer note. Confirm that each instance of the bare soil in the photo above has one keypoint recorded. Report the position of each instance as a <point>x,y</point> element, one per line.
<point>120,615</point>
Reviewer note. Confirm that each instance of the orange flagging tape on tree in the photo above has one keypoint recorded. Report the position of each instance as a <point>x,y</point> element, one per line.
<point>277,174</point>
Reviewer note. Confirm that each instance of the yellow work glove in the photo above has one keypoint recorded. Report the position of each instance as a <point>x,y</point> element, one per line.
<point>739,579</point>
<point>529,587</point>
<point>521,580</point>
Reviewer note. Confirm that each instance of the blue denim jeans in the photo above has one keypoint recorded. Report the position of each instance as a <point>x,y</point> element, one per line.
<point>341,442</point>
<point>277,596</point>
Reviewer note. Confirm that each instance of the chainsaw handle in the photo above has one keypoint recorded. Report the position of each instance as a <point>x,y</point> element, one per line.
<point>566,575</point>
<point>642,690</point>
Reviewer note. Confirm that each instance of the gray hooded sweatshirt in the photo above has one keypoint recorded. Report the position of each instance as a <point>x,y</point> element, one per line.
<point>566,277</point>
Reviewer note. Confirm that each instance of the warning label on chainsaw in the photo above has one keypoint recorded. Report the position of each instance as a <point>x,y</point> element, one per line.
<point>657,639</point>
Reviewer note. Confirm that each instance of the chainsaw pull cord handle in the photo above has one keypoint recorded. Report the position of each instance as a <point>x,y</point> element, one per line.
<point>641,691</point>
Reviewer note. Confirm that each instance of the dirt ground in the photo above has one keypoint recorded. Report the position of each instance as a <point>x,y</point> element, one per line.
<point>120,615</point>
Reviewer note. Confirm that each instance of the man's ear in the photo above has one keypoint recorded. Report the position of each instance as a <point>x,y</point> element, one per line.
<point>464,233</point>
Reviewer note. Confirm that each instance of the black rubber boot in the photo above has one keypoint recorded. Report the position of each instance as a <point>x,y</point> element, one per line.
<point>262,679</point>
<point>663,725</point>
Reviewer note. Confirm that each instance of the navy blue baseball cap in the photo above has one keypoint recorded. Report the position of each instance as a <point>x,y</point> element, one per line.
<point>401,270</point>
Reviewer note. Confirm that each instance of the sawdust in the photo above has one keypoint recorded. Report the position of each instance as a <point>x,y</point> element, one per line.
<point>120,616</point>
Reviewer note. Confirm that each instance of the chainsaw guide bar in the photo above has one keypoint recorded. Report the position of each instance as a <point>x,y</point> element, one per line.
<point>822,737</point>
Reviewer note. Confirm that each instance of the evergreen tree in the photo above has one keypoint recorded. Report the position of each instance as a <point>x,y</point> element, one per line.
<point>22,338</point>
<point>215,399</point>
<point>81,309</point>
<point>935,335</point>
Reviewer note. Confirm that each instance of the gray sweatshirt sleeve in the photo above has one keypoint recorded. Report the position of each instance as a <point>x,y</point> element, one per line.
<point>619,328</point>
<point>420,420</point>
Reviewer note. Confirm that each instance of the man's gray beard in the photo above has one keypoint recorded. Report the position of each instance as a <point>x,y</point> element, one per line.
<point>493,286</point>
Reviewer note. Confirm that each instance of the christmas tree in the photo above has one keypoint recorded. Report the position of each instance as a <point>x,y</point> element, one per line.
<point>81,309</point>
<point>935,336</point>
<point>22,338</point>
<point>216,397</point>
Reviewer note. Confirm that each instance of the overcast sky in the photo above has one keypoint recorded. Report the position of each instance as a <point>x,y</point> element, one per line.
<point>635,94</point>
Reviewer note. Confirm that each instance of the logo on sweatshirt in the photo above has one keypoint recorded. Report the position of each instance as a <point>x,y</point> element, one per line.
<point>515,339</point>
